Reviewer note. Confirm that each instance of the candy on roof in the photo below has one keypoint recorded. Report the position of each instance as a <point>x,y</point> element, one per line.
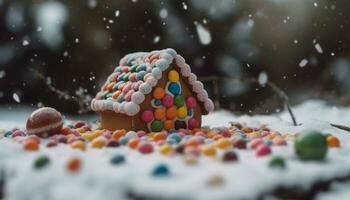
<point>135,77</point>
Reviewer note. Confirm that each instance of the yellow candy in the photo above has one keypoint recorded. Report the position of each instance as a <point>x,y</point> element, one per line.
<point>78,145</point>
<point>181,112</point>
<point>99,142</point>
<point>173,76</point>
<point>165,149</point>
<point>208,151</point>
<point>81,130</point>
<point>92,135</point>
<point>190,160</point>
<point>223,143</point>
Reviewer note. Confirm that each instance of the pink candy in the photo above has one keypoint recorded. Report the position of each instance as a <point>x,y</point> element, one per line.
<point>191,102</point>
<point>262,150</point>
<point>147,116</point>
<point>255,143</point>
<point>193,123</point>
<point>167,101</point>
<point>145,148</point>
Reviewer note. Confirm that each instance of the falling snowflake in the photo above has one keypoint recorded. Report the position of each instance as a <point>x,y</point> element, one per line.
<point>315,4</point>
<point>16,97</point>
<point>117,13</point>
<point>303,63</point>
<point>203,34</point>
<point>184,5</point>
<point>76,40</point>
<point>2,74</point>
<point>92,3</point>
<point>163,13</point>
<point>262,79</point>
<point>25,43</point>
<point>39,29</point>
<point>318,48</point>
<point>156,39</point>
<point>65,54</point>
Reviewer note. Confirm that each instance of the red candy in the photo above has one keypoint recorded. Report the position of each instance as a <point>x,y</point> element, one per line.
<point>167,101</point>
<point>262,150</point>
<point>255,143</point>
<point>191,102</point>
<point>145,148</point>
<point>147,116</point>
<point>193,123</point>
<point>18,133</point>
<point>44,122</point>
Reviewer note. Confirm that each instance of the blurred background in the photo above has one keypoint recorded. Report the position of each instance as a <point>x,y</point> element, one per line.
<point>58,53</point>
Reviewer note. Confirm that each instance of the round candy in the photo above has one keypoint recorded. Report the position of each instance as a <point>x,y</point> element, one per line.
<point>41,162</point>
<point>229,156</point>
<point>73,164</point>
<point>147,116</point>
<point>78,145</point>
<point>145,148</point>
<point>171,112</point>
<point>174,88</point>
<point>44,122</point>
<point>159,113</point>
<point>159,136</point>
<point>191,102</point>
<point>112,143</point>
<point>277,162</point>
<point>167,101</point>
<point>161,170</point>
<point>311,145</point>
<point>223,143</point>
<point>181,112</point>
<point>30,145</point>
<point>165,149</point>
<point>169,124</point>
<point>208,150</point>
<point>117,159</point>
<point>193,123</point>
<point>333,141</point>
<point>18,133</point>
<point>174,136</point>
<point>173,76</point>
<point>179,100</point>
<point>99,142</point>
<point>239,143</point>
<point>158,93</point>
<point>180,124</point>
<point>262,150</point>
<point>156,126</point>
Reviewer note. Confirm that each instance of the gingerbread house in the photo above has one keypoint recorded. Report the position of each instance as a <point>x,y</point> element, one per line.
<point>152,91</point>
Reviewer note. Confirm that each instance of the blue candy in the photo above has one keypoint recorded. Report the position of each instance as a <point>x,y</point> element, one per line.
<point>118,159</point>
<point>157,102</point>
<point>190,112</point>
<point>123,140</point>
<point>174,136</point>
<point>174,88</point>
<point>140,75</point>
<point>8,134</point>
<point>161,170</point>
<point>121,77</point>
<point>130,60</point>
<point>115,86</point>
<point>118,69</point>
<point>141,67</point>
<point>131,134</point>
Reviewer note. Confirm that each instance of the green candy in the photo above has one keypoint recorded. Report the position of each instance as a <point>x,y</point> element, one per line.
<point>277,162</point>
<point>156,126</point>
<point>126,76</point>
<point>311,145</point>
<point>133,68</point>
<point>41,162</point>
<point>179,101</point>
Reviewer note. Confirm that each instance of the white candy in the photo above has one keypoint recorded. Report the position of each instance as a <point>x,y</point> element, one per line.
<point>169,58</point>
<point>108,105</point>
<point>122,107</point>
<point>192,79</point>
<point>92,105</point>
<point>145,88</point>
<point>131,108</point>
<point>116,107</point>
<point>186,71</point>
<point>157,73</point>
<point>162,64</point>
<point>152,81</point>
<point>198,87</point>
<point>180,61</point>
<point>209,105</point>
<point>202,96</point>
<point>137,97</point>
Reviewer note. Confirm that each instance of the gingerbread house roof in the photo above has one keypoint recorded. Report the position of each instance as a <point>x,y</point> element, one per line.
<point>137,74</point>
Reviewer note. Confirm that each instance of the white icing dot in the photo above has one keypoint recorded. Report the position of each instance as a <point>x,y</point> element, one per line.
<point>145,88</point>
<point>151,81</point>
<point>180,61</point>
<point>209,105</point>
<point>137,97</point>
<point>186,71</point>
<point>157,73</point>
<point>192,78</point>
<point>198,87</point>
<point>116,107</point>
<point>122,107</point>
<point>171,51</point>
<point>162,64</point>
<point>169,58</point>
<point>131,108</point>
<point>202,96</point>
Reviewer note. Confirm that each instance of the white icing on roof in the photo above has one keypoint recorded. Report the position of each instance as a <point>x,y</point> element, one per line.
<point>140,72</point>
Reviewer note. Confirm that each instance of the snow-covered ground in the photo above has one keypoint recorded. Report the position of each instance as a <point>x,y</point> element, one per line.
<point>248,178</point>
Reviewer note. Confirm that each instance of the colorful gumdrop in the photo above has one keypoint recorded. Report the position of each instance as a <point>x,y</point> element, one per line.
<point>167,101</point>
<point>147,116</point>
<point>174,88</point>
<point>173,76</point>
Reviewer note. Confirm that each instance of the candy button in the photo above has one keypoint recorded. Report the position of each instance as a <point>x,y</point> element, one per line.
<point>99,142</point>
<point>133,142</point>
<point>156,126</point>
<point>181,112</point>
<point>333,141</point>
<point>180,124</point>
<point>179,100</point>
<point>117,159</point>
<point>191,102</point>
<point>208,151</point>
<point>159,136</point>
<point>229,156</point>
<point>161,170</point>
<point>145,148</point>
<point>41,162</point>
<point>277,162</point>
<point>157,102</point>
<point>167,101</point>
<point>140,75</point>
<point>78,145</point>
<point>158,93</point>
<point>159,113</point>
<point>169,124</point>
<point>171,112</point>
<point>141,67</point>
<point>223,143</point>
<point>193,123</point>
<point>73,164</point>
<point>147,116</point>
<point>165,149</point>
<point>262,150</point>
<point>174,88</point>
<point>173,76</point>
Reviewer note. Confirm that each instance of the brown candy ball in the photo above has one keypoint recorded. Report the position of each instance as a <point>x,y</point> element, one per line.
<point>44,122</point>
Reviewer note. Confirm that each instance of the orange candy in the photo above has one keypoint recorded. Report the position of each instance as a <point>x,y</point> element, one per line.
<point>169,124</point>
<point>193,142</point>
<point>158,93</point>
<point>118,134</point>
<point>110,86</point>
<point>30,145</point>
<point>159,136</point>
<point>159,113</point>
<point>73,164</point>
<point>121,86</point>
<point>154,57</point>
<point>116,94</point>
<point>171,113</point>
<point>65,130</point>
<point>333,141</point>
<point>247,129</point>
<point>133,143</point>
